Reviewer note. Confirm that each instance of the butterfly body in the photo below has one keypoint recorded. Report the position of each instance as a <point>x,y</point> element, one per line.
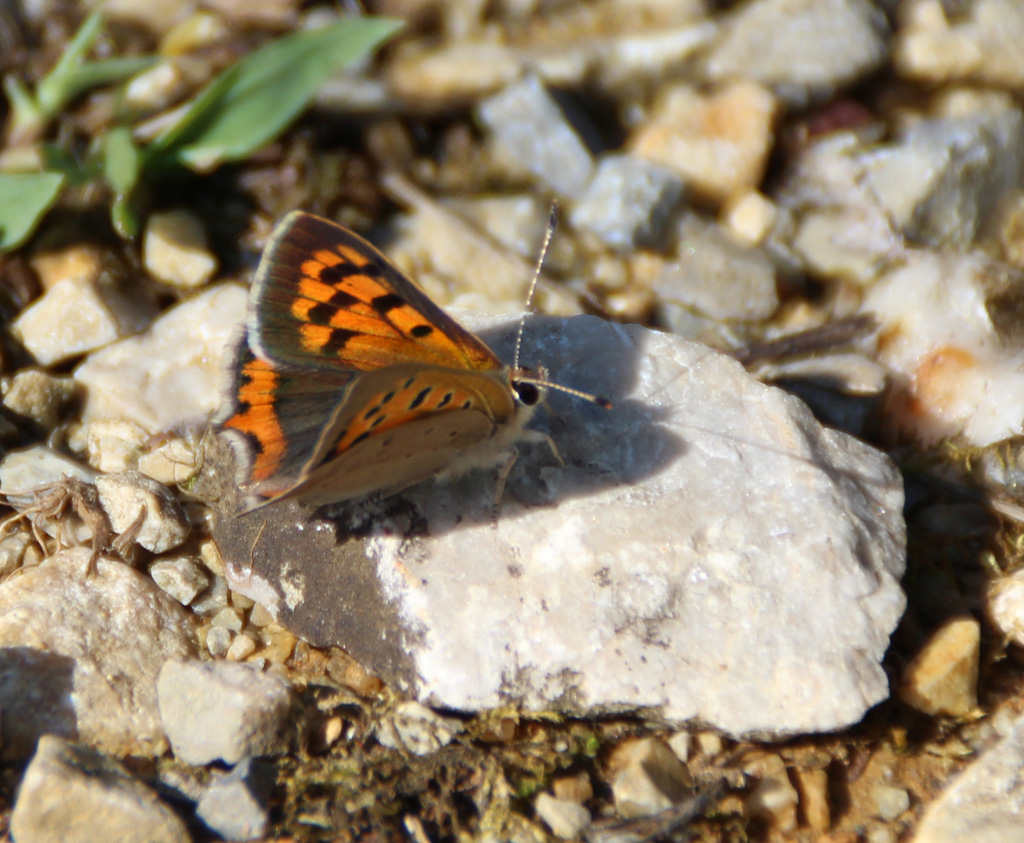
<point>350,381</point>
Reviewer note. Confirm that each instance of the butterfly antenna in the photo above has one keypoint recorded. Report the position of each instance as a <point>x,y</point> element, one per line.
<point>548,234</point>
<point>568,390</point>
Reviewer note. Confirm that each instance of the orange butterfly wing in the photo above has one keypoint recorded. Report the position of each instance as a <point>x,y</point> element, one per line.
<point>344,365</point>
<point>325,298</point>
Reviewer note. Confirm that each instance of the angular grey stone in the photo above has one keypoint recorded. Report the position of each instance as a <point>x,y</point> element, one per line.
<point>75,794</point>
<point>804,49</point>
<point>708,550</point>
<point>628,202</point>
<point>79,655</point>
<point>714,275</point>
<point>235,806</point>
<point>531,128</point>
<point>222,711</point>
<point>943,178</point>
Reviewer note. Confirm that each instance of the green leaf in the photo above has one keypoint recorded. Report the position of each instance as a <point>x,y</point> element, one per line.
<point>50,91</point>
<point>76,172</point>
<point>123,217</point>
<point>121,160</point>
<point>254,100</point>
<point>69,77</point>
<point>24,198</point>
<point>93,74</point>
<point>122,163</point>
<point>27,118</point>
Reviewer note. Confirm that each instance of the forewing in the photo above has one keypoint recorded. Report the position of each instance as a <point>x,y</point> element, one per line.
<point>323,297</point>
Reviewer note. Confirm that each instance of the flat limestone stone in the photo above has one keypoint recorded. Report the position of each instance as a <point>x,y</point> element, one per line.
<point>707,551</point>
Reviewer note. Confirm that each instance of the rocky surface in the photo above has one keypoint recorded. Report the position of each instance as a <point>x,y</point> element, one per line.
<point>465,611</point>
<point>827,192</point>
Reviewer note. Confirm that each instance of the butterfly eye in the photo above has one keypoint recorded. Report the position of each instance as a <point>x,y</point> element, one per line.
<point>527,392</point>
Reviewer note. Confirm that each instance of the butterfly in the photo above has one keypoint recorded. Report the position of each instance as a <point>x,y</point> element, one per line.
<point>349,381</point>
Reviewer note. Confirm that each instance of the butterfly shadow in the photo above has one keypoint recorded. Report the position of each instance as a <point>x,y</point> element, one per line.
<point>595,449</point>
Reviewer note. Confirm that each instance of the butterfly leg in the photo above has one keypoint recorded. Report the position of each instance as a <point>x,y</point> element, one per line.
<point>542,438</point>
<point>503,473</point>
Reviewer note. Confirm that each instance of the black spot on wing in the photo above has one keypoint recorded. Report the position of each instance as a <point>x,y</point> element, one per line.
<point>421,331</point>
<point>342,300</point>
<point>320,314</point>
<point>336,274</point>
<point>420,397</point>
<point>386,303</point>
<point>339,339</point>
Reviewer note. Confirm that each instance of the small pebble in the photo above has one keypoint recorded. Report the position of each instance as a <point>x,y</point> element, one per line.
<point>228,619</point>
<point>174,250</point>
<point>411,727</point>
<point>75,316</point>
<point>774,800</point>
<point>890,802</point>
<point>651,779</point>
<point>235,805</point>
<point>719,143</point>
<point>82,262</point>
<point>977,45</point>
<point>530,127</point>
<point>714,275</point>
<point>816,46</point>
<point>942,679</point>
<point>143,509</point>
<point>681,743</point>
<point>113,445</point>
<point>218,641</point>
<point>815,806</point>
<point>1005,606</point>
<point>180,576</point>
<point>629,202</point>
<point>749,217</point>
<point>39,396</point>
<point>565,819</point>
<point>242,646</point>
<point>173,462</point>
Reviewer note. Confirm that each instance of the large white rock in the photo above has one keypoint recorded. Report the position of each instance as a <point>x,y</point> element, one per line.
<point>709,551</point>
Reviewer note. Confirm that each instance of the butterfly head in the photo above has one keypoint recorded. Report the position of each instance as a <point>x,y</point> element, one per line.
<point>531,389</point>
<point>528,389</point>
